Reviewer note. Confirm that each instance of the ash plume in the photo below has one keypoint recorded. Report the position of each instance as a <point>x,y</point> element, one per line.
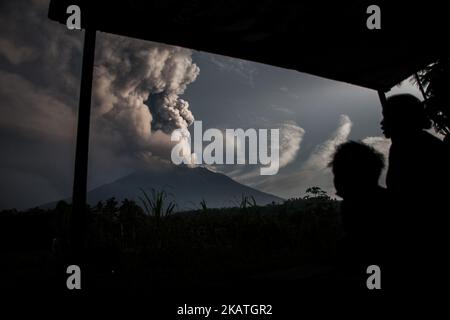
<point>137,88</point>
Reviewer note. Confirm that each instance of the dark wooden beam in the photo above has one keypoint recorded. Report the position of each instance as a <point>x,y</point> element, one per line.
<point>78,216</point>
<point>382,96</point>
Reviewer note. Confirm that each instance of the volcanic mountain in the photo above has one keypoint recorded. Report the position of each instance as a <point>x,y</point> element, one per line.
<point>187,187</point>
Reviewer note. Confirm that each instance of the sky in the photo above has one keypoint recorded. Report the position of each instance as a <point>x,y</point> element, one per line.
<point>143,91</point>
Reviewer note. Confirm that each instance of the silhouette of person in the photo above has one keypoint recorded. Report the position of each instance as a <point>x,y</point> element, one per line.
<point>357,168</point>
<point>417,181</point>
<point>416,158</point>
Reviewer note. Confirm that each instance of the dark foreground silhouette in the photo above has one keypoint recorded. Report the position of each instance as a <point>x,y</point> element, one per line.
<point>418,183</point>
<point>365,209</point>
<point>125,242</point>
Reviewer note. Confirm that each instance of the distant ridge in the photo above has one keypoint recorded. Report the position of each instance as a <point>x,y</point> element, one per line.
<point>186,186</point>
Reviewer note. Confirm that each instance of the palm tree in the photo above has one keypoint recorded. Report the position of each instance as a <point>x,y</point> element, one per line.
<point>434,82</point>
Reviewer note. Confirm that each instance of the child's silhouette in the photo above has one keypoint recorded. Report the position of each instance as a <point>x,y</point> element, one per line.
<point>357,168</point>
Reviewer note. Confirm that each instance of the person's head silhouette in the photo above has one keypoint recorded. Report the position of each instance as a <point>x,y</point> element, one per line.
<point>403,115</point>
<point>356,168</point>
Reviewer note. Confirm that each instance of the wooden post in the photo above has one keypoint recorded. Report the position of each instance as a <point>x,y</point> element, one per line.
<point>382,96</point>
<point>78,215</point>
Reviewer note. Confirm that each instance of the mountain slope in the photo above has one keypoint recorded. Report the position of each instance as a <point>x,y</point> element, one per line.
<point>186,186</point>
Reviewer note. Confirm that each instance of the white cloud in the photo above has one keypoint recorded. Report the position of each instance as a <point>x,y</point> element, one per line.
<point>314,171</point>
<point>321,157</point>
<point>291,137</point>
<point>382,145</point>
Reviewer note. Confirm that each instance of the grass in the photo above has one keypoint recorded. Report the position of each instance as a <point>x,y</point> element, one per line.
<point>209,243</point>
<point>156,205</point>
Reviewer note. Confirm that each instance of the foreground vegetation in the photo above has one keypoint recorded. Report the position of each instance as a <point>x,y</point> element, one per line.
<point>149,243</point>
